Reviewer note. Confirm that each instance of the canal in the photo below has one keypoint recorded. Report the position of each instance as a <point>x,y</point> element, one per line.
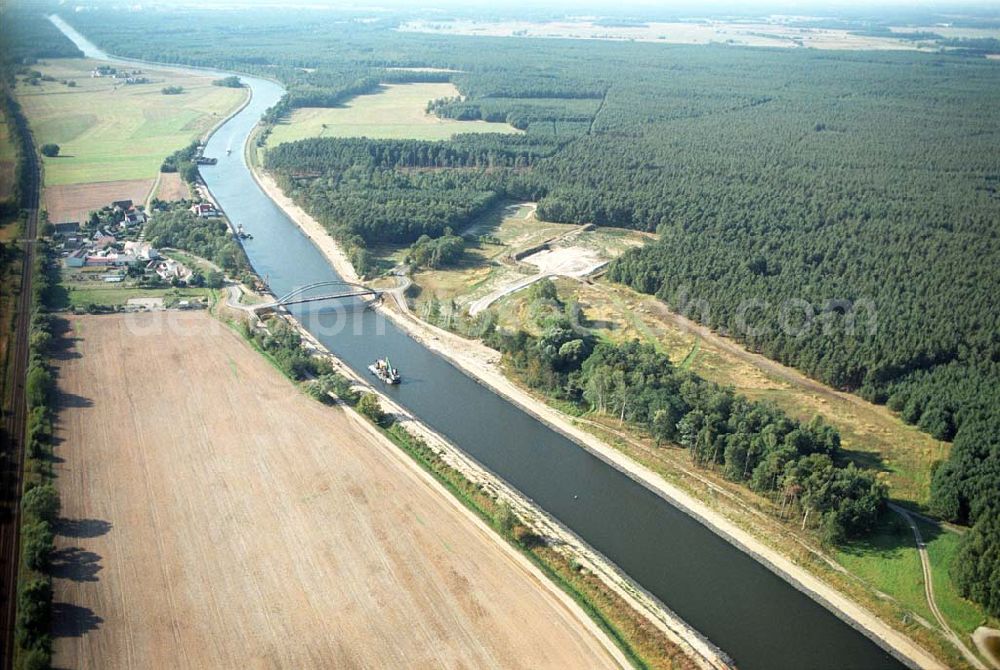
<point>755,616</point>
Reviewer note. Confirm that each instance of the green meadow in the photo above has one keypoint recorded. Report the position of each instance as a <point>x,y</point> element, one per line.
<point>398,111</point>
<point>109,131</point>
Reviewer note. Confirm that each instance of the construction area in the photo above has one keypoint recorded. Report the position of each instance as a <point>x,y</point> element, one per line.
<point>214,516</point>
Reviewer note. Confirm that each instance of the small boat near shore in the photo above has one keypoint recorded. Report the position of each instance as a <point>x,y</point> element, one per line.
<point>383,369</point>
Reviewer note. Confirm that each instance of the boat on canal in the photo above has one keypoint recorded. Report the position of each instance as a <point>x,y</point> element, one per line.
<point>383,369</point>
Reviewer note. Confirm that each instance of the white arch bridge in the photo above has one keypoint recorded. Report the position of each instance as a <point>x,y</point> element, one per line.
<point>331,290</point>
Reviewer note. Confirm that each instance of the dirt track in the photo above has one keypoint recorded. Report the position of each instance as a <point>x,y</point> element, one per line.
<point>219,518</point>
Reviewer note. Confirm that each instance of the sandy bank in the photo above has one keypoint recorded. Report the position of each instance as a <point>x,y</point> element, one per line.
<point>310,226</point>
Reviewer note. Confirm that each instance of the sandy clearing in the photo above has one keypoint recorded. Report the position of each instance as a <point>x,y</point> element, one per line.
<point>556,262</point>
<point>566,261</point>
<point>73,202</point>
<point>219,519</point>
<point>988,642</point>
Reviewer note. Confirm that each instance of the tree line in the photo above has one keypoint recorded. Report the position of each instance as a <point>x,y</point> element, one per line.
<point>798,465</point>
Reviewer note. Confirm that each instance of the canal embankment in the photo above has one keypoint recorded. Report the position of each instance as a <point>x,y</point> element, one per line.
<point>483,365</point>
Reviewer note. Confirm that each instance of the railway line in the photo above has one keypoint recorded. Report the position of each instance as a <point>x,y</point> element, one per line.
<point>12,457</point>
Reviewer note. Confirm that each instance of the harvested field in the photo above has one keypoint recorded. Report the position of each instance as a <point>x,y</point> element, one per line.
<point>217,518</point>
<point>73,202</point>
<point>775,32</point>
<point>172,188</point>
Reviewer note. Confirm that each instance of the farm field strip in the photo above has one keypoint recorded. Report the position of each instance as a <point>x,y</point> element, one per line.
<point>742,33</point>
<point>229,524</point>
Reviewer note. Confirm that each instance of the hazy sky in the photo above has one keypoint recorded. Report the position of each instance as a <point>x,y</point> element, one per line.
<point>694,7</point>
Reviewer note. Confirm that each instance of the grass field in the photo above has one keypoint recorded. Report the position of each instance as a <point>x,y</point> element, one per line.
<point>215,517</point>
<point>114,295</point>
<point>942,546</point>
<point>397,112</point>
<point>108,131</point>
<point>888,560</point>
<point>6,146</point>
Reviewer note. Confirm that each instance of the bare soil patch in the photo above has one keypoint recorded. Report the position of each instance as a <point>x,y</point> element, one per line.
<point>215,517</point>
<point>73,202</point>
<point>172,188</point>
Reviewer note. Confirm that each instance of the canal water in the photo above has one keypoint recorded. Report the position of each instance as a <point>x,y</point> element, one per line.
<point>755,616</point>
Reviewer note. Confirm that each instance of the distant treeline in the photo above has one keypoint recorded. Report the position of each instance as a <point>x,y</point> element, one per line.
<point>27,35</point>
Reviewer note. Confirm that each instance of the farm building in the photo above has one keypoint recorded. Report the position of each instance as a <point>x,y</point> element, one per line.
<point>66,227</point>
<point>204,209</point>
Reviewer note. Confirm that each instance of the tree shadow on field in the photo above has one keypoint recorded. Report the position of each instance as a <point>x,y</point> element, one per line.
<point>70,620</point>
<point>63,346</point>
<point>76,564</point>
<point>890,537</point>
<point>73,400</point>
<point>866,460</point>
<point>82,527</point>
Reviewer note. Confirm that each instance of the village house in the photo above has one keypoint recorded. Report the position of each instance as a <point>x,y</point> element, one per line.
<point>168,269</point>
<point>77,259</point>
<point>71,242</point>
<point>204,209</point>
<point>143,251</point>
<point>111,258</point>
<point>134,217</point>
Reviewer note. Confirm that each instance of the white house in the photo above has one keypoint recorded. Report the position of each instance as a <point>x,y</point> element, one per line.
<point>142,251</point>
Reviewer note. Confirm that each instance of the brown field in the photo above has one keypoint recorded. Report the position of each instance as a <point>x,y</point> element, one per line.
<point>215,517</point>
<point>73,202</point>
<point>774,32</point>
<point>172,187</point>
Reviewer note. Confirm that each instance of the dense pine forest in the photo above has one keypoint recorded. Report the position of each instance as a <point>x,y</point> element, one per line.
<point>836,211</point>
